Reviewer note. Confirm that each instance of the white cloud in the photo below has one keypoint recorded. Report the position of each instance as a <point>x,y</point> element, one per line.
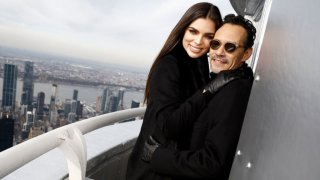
<point>127,32</point>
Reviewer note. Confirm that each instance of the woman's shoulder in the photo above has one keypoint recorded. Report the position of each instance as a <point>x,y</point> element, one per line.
<point>168,60</point>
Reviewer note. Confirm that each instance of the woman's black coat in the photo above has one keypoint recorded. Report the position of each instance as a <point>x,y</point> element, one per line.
<point>175,103</point>
<point>214,138</point>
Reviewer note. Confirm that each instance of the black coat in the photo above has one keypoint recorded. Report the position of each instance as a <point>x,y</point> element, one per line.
<point>175,103</point>
<point>214,138</point>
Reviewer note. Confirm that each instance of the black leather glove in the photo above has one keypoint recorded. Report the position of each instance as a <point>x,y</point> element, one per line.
<point>223,78</point>
<point>149,147</point>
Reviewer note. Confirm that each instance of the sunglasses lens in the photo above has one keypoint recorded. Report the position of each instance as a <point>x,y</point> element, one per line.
<point>230,47</point>
<point>215,44</point>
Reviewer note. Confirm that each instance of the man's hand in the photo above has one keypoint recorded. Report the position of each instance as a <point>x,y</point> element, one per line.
<point>149,147</point>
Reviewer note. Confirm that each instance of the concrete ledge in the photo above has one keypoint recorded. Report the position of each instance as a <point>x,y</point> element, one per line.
<point>111,164</point>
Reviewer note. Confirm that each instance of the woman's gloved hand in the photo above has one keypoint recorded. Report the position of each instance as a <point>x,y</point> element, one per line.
<point>149,147</point>
<point>223,78</point>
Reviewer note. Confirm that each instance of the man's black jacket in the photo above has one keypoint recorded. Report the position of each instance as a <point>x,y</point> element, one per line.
<point>214,137</point>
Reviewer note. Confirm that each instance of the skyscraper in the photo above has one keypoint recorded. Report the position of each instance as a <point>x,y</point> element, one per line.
<point>27,89</point>
<point>120,99</point>
<point>53,96</point>
<point>6,131</point>
<point>79,110</point>
<point>113,103</point>
<point>104,102</point>
<point>75,94</point>
<point>9,86</point>
<point>53,114</point>
<point>40,104</point>
<point>67,107</point>
<point>74,106</point>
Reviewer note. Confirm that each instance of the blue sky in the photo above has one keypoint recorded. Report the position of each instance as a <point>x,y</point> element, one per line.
<point>129,32</point>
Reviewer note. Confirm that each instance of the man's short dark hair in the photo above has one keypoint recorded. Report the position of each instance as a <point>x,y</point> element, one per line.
<point>246,24</point>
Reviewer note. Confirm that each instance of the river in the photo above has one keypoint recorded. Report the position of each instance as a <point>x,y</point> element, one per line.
<point>85,94</point>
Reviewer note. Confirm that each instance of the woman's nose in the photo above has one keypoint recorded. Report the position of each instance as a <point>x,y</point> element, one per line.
<point>198,39</point>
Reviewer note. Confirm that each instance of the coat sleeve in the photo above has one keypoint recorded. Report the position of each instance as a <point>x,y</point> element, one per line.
<point>173,113</point>
<point>214,158</point>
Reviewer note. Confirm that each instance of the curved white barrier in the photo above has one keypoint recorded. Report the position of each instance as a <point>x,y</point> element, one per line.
<point>68,138</point>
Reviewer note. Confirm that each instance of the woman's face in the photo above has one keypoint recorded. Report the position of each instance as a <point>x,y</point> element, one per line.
<point>197,37</point>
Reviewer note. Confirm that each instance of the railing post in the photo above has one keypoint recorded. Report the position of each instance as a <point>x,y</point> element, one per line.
<point>75,151</point>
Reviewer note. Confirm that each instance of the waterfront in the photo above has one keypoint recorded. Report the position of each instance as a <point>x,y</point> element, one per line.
<point>86,94</point>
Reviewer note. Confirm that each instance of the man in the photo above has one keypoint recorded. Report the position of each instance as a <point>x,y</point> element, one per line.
<point>216,132</point>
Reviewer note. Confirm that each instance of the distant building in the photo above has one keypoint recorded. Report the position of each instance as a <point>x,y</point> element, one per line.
<point>40,105</point>
<point>135,104</point>
<point>75,94</point>
<point>74,105</point>
<point>29,121</point>
<point>98,104</point>
<point>79,110</point>
<point>53,114</point>
<point>120,99</point>
<point>6,130</point>
<point>113,104</point>
<point>35,131</point>
<point>62,122</point>
<point>9,86</point>
<point>27,88</point>
<point>88,111</point>
<point>23,110</point>
<point>71,117</point>
<point>67,107</point>
<point>61,113</point>
<point>104,101</point>
<point>53,97</point>
<point>29,118</point>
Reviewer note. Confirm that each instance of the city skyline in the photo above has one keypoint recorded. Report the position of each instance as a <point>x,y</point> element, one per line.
<point>32,116</point>
<point>91,80</point>
<point>120,32</point>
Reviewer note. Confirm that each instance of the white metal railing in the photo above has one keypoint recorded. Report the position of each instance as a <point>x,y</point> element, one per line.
<point>68,138</point>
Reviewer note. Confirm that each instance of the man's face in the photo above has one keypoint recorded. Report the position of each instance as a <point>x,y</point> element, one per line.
<point>220,58</point>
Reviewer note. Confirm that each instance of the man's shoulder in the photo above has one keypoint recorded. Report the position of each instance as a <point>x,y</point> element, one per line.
<point>238,84</point>
<point>234,90</point>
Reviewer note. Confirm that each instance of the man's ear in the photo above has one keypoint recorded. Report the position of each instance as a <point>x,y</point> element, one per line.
<point>247,54</point>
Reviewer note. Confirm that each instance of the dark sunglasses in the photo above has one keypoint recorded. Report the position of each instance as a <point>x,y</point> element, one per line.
<point>228,46</point>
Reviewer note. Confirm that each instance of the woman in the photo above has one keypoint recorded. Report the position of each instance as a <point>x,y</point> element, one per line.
<point>173,96</point>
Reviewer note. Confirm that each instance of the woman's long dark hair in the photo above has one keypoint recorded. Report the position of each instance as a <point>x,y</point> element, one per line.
<point>199,10</point>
